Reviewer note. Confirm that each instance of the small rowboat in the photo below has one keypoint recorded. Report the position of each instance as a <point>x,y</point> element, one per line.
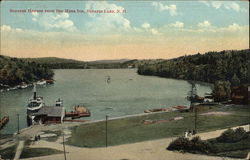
<point>4,121</point>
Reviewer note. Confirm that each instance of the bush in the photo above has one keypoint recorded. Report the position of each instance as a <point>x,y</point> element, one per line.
<point>196,139</point>
<point>232,143</point>
<point>178,144</point>
<point>193,145</point>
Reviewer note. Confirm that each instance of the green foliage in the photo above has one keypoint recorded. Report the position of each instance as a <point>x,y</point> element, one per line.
<point>193,145</point>
<point>180,143</point>
<point>222,90</point>
<point>231,143</point>
<point>13,71</point>
<point>230,135</point>
<point>235,80</point>
<point>210,67</point>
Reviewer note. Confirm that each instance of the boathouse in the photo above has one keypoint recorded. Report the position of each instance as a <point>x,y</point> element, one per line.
<point>49,114</point>
<point>239,94</point>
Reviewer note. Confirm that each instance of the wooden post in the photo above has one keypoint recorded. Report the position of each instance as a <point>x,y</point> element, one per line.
<point>18,123</point>
<point>106,130</point>
<point>64,146</point>
<point>249,118</point>
<point>195,120</point>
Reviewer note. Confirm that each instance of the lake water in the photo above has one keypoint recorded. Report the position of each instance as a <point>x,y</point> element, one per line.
<point>127,93</point>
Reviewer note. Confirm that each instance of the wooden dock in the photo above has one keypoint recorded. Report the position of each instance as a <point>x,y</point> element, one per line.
<point>79,111</point>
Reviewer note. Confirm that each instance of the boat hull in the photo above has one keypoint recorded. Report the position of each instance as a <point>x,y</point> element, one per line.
<point>28,120</point>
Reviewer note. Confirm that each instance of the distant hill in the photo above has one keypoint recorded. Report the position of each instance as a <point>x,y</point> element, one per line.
<point>51,60</point>
<point>110,61</point>
<point>62,63</point>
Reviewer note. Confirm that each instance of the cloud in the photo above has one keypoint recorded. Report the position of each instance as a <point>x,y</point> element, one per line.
<point>177,24</point>
<point>227,5</point>
<point>114,23</point>
<point>205,2</point>
<point>233,5</point>
<point>106,22</point>
<point>170,8</point>
<point>206,27</point>
<point>35,14</point>
<point>145,25</point>
<point>19,30</point>
<point>216,4</point>
<point>233,27</point>
<point>54,21</point>
<point>7,28</point>
<point>155,31</point>
<point>147,28</point>
<point>204,24</point>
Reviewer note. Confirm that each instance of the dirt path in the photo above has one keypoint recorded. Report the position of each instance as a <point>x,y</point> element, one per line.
<point>19,150</point>
<point>34,130</point>
<point>148,150</point>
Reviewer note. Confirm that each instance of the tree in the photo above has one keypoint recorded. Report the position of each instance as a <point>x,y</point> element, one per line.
<point>222,90</point>
<point>235,80</point>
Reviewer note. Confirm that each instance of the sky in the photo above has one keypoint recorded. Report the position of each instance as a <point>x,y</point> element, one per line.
<point>136,30</point>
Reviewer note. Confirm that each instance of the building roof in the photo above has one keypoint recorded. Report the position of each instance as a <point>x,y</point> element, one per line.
<point>51,111</point>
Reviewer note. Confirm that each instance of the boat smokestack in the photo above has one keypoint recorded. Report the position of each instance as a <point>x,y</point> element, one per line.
<point>34,91</point>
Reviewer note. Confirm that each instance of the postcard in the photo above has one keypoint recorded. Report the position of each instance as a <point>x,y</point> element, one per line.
<point>124,80</point>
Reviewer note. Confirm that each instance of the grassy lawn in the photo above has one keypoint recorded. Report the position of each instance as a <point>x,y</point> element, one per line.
<point>54,138</point>
<point>130,130</point>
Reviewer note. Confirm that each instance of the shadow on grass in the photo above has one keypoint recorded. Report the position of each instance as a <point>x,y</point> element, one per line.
<point>9,152</point>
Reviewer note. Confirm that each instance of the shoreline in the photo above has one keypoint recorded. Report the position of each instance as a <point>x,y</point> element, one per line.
<point>69,124</point>
<point>90,121</point>
<point>27,85</point>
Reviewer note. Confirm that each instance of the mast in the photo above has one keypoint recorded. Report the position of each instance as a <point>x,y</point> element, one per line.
<point>34,91</point>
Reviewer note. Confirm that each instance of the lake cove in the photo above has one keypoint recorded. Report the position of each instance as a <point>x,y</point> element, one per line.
<point>127,93</point>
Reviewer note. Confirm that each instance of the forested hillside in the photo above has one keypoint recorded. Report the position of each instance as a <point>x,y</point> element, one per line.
<point>61,63</point>
<point>14,71</point>
<point>230,66</point>
<point>57,63</point>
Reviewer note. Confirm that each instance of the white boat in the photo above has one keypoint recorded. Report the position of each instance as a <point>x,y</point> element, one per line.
<point>41,82</point>
<point>24,86</point>
<point>35,104</point>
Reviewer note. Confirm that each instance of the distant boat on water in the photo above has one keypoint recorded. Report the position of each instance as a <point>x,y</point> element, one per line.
<point>23,85</point>
<point>108,79</point>
<point>41,82</point>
